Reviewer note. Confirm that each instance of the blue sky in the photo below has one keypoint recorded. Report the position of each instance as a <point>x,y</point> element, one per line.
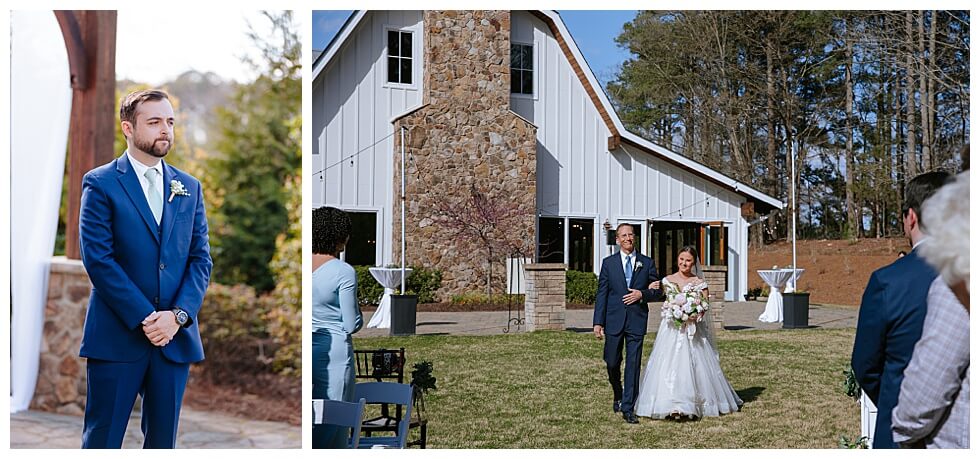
<point>593,31</point>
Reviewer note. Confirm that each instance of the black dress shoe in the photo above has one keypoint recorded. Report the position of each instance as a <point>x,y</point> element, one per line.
<point>617,406</point>
<point>630,417</point>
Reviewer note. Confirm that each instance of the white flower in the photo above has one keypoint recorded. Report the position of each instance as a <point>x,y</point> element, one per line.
<point>638,265</point>
<point>677,313</point>
<point>177,189</point>
<point>680,300</point>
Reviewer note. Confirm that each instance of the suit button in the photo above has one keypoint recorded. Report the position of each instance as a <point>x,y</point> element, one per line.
<point>156,300</point>
<point>162,266</point>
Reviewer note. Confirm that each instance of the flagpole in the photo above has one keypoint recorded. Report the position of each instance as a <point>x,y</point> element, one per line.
<point>403,207</point>
<point>792,149</point>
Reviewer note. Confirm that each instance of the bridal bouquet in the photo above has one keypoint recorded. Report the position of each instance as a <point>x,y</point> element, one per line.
<point>685,308</point>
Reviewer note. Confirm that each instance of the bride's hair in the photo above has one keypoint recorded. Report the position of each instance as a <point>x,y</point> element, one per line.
<point>696,269</point>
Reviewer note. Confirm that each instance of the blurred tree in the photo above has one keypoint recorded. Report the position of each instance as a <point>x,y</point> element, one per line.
<point>257,150</point>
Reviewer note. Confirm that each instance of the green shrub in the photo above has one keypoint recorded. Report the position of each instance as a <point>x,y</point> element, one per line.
<point>421,281</point>
<point>369,291</point>
<point>233,331</point>
<point>284,318</point>
<point>424,282</point>
<point>580,287</point>
<point>229,313</point>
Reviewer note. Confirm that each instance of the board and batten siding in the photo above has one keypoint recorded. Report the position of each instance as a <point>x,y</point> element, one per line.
<point>579,178</point>
<point>353,106</point>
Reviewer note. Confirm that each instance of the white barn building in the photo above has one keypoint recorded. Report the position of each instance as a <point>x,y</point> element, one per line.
<point>588,170</point>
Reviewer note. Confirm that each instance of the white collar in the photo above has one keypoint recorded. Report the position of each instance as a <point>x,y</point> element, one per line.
<point>141,168</point>
<point>924,239</point>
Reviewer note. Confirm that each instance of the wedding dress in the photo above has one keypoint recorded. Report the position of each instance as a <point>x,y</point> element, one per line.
<point>683,374</point>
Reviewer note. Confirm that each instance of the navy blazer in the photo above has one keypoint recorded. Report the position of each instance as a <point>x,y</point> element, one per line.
<point>889,324</point>
<point>610,312</point>
<point>137,266</point>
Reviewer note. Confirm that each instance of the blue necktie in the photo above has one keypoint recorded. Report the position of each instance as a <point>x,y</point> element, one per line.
<point>629,270</point>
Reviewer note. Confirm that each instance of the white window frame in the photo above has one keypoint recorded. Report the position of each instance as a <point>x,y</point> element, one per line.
<point>416,56</point>
<point>534,71</point>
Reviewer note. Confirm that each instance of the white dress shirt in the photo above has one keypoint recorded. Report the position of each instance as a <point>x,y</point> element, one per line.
<point>140,170</point>
<point>622,259</point>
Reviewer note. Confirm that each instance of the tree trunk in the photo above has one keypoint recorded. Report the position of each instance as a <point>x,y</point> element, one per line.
<point>911,166</point>
<point>771,171</point>
<point>927,164</point>
<point>853,228</point>
<point>938,157</point>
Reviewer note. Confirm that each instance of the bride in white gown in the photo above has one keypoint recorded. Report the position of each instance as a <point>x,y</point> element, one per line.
<point>683,377</point>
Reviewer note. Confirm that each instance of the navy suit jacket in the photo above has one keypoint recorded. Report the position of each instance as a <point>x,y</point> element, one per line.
<point>889,324</point>
<point>610,312</point>
<point>137,266</point>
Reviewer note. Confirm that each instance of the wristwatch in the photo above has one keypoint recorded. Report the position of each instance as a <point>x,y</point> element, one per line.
<point>181,316</point>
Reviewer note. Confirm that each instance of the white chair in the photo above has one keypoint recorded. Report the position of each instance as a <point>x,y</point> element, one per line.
<point>393,393</point>
<point>343,414</point>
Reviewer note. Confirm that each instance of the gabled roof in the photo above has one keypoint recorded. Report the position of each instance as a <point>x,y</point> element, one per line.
<point>598,97</point>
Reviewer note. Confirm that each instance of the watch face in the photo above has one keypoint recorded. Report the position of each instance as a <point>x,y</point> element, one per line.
<point>181,317</point>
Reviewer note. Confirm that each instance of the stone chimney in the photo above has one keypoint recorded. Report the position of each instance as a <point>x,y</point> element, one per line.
<point>463,138</point>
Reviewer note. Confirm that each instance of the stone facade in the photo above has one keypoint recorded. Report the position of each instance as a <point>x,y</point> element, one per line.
<point>61,382</point>
<point>544,302</point>
<point>465,141</point>
<point>716,276</point>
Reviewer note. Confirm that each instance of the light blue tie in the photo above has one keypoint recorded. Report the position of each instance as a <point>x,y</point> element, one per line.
<point>629,270</point>
<point>153,196</point>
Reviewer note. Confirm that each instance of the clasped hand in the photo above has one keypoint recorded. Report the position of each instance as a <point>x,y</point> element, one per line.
<point>633,296</point>
<point>160,327</point>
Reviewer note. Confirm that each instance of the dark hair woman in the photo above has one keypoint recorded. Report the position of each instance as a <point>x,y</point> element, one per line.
<point>336,316</point>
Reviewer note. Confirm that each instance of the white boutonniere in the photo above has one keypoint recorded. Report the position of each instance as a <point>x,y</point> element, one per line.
<point>177,189</point>
<point>637,266</point>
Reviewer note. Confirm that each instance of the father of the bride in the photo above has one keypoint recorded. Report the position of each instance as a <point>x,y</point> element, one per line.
<point>144,243</point>
<point>621,314</point>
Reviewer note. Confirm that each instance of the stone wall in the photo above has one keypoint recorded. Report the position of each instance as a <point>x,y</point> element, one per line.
<point>61,384</point>
<point>472,159</point>
<point>716,276</point>
<point>544,302</point>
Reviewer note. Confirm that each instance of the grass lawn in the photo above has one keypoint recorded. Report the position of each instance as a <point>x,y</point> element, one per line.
<point>549,390</point>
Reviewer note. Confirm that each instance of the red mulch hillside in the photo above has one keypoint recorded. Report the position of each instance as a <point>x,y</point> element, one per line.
<point>836,271</point>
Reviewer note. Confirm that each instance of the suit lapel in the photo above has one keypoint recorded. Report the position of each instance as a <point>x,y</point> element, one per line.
<point>170,207</point>
<point>131,184</point>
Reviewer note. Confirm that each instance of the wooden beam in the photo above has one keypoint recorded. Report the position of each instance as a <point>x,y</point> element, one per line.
<point>92,126</point>
<point>77,60</point>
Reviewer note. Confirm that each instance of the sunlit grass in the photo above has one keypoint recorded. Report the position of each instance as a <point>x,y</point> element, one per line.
<point>549,390</point>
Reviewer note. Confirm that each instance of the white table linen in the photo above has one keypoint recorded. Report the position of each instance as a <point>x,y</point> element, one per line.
<point>389,278</point>
<point>777,279</point>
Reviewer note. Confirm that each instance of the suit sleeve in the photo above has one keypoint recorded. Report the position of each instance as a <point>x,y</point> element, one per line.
<point>194,285</point>
<point>650,295</point>
<point>599,316</point>
<point>867,359</point>
<point>111,283</point>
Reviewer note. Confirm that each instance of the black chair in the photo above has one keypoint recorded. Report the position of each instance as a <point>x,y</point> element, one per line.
<point>389,365</point>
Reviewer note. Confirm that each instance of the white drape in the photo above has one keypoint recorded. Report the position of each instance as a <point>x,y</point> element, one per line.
<point>40,108</point>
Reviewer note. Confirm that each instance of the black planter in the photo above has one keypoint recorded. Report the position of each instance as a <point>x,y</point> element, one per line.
<point>403,314</point>
<point>796,310</point>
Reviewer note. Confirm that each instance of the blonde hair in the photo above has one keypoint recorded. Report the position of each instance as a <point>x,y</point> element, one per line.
<point>947,218</point>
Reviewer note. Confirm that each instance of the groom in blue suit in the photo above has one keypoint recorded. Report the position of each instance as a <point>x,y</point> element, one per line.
<point>892,312</point>
<point>621,314</point>
<point>144,244</point>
